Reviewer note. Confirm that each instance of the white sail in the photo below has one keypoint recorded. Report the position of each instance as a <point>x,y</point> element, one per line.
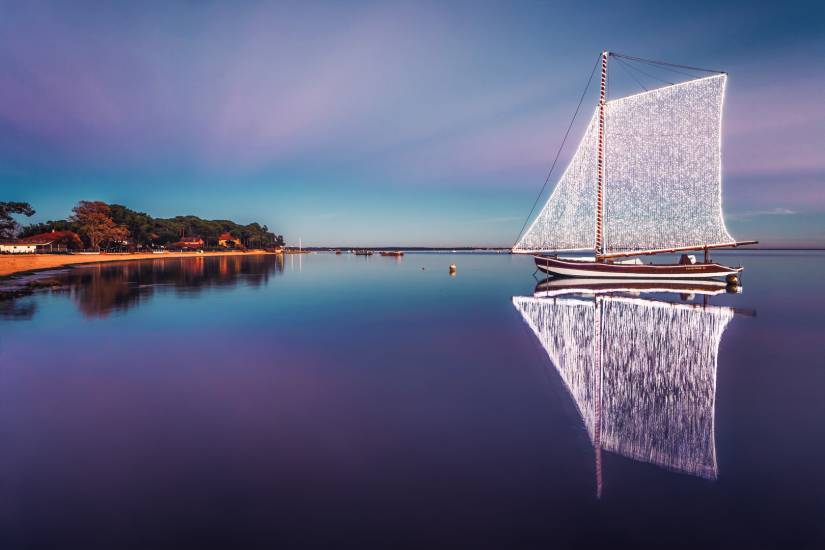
<point>568,219</point>
<point>662,186</point>
<point>658,376</point>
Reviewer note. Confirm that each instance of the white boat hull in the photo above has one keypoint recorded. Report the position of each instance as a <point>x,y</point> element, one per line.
<point>577,268</point>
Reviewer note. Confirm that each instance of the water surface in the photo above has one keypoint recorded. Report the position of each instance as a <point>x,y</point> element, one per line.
<point>343,401</point>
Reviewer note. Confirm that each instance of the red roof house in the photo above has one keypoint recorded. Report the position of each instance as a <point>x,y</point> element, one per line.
<point>225,238</point>
<point>190,242</point>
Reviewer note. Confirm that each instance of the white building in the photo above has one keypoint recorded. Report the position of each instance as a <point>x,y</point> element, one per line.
<point>30,245</point>
<point>12,247</point>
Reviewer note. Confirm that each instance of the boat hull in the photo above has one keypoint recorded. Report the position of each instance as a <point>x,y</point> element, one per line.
<point>555,286</point>
<point>578,268</point>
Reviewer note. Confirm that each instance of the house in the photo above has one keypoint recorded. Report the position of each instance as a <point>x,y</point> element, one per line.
<point>43,242</point>
<point>17,247</point>
<point>54,241</point>
<point>190,242</point>
<point>226,239</point>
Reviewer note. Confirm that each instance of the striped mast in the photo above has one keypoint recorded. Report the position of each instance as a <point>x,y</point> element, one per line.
<point>599,251</point>
<point>597,391</point>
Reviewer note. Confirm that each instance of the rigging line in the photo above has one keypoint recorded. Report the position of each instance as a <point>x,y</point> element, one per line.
<point>663,63</point>
<point>665,68</point>
<point>639,82</point>
<point>558,153</point>
<point>648,74</point>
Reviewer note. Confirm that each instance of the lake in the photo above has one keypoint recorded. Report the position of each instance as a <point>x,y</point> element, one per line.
<point>342,401</point>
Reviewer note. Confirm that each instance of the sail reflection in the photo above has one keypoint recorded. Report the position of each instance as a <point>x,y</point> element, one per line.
<point>104,288</point>
<point>641,371</point>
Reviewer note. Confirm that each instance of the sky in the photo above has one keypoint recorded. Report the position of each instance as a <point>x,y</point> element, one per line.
<point>377,123</point>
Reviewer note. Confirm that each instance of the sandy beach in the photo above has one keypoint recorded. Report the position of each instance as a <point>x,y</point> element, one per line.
<point>19,263</point>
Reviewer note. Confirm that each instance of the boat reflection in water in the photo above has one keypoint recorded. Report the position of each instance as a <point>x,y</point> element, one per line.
<point>641,370</point>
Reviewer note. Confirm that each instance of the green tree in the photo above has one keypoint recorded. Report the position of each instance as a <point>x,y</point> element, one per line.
<point>145,230</point>
<point>140,224</point>
<point>7,223</point>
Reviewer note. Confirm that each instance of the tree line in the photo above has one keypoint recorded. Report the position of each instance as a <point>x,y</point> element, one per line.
<point>95,224</point>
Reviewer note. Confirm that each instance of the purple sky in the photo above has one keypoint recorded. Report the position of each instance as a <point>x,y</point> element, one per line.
<point>382,122</point>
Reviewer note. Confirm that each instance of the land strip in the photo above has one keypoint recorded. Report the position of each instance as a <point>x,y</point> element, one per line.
<point>20,263</point>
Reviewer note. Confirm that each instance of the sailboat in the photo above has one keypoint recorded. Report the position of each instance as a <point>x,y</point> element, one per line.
<point>640,370</point>
<point>645,179</point>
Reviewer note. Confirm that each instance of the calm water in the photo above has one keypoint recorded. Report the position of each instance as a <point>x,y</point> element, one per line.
<point>342,401</point>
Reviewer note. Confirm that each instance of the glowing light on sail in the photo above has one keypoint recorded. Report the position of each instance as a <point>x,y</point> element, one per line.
<point>568,219</point>
<point>658,382</point>
<point>662,184</point>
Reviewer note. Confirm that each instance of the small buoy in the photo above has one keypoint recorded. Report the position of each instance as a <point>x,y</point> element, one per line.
<point>453,269</point>
<point>732,279</point>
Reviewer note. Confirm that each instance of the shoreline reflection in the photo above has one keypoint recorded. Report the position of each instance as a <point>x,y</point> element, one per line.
<point>101,289</point>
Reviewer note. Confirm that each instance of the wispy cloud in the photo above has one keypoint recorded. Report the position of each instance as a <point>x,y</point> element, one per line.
<point>747,214</point>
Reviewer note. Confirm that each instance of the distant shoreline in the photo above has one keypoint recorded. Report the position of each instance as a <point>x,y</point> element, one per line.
<point>405,248</point>
<point>506,249</point>
<point>14,264</point>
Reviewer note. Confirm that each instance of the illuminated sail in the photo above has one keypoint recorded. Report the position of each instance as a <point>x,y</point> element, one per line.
<point>568,219</point>
<point>662,183</point>
<point>658,373</point>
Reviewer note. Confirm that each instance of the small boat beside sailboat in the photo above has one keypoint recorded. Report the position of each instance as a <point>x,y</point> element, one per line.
<point>645,180</point>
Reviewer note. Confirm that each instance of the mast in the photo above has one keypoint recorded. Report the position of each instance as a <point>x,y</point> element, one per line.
<point>597,399</point>
<point>667,145</point>
<point>599,193</point>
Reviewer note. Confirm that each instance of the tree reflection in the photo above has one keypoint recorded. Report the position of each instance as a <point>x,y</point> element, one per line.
<point>17,309</point>
<point>103,288</point>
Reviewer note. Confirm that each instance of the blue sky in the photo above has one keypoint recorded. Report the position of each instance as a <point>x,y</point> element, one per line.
<point>368,123</point>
